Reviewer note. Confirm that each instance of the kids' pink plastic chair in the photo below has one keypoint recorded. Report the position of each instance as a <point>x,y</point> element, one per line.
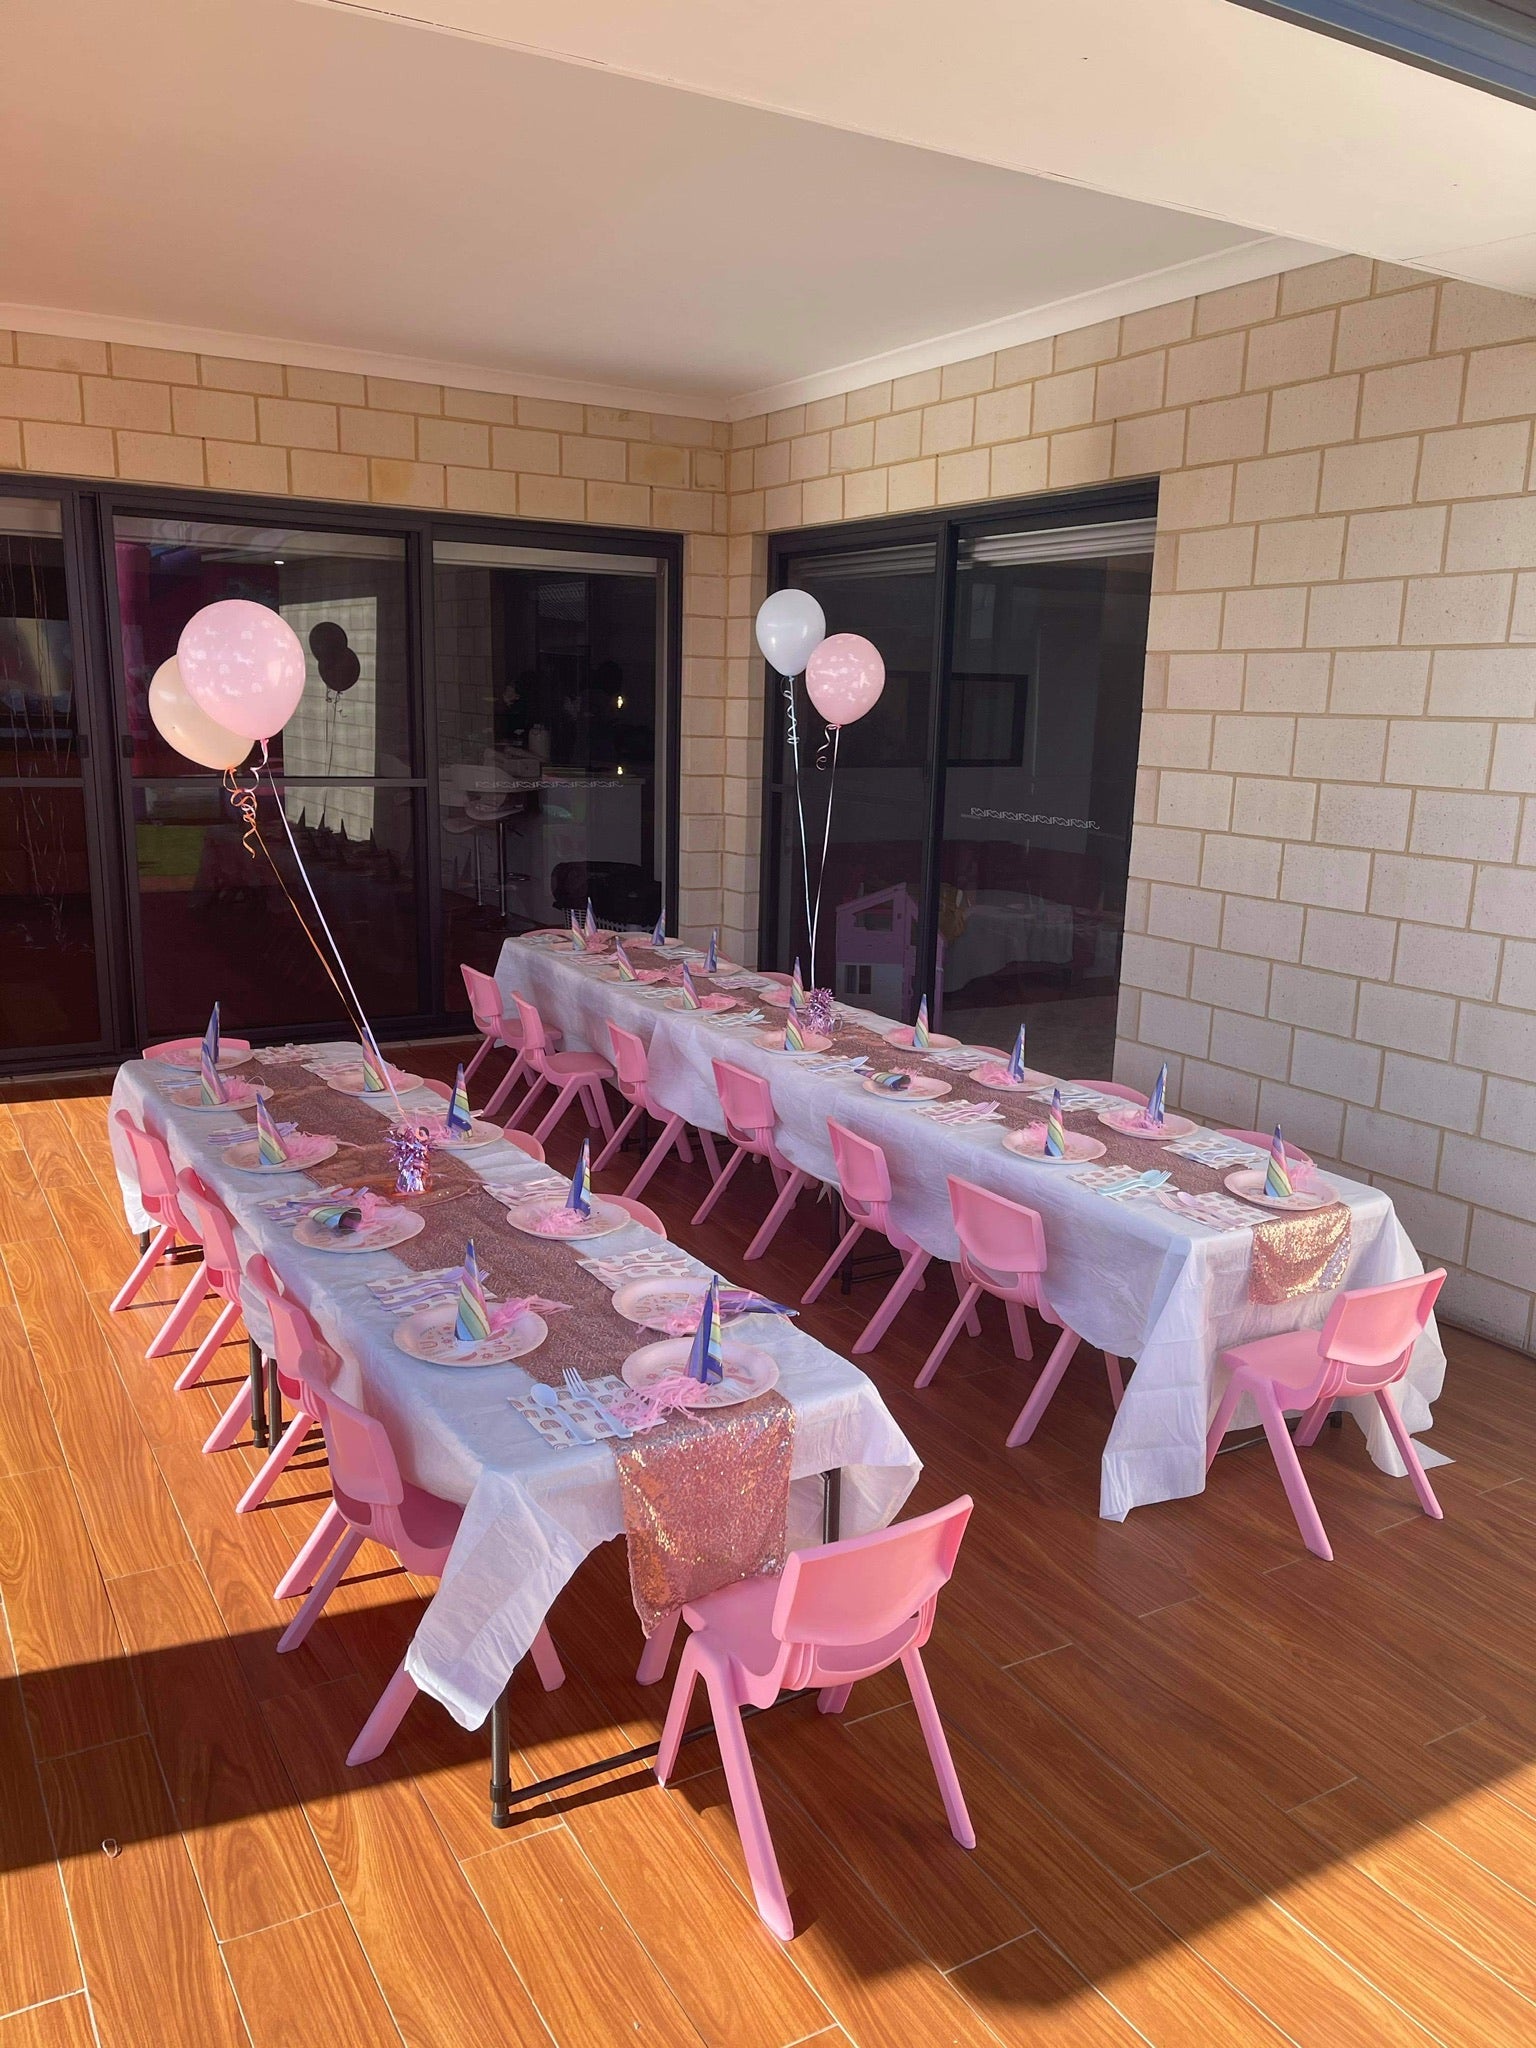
<point>304,1360</point>
<point>520,1139</point>
<point>501,1030</point>
<point>1002,1252</point>
<point>1262,1140</point>
<point>1117,1088</point>
<point>834,1615</point>
<point>569,1073</point>
<point>157,1194</point>
<point>221,1271</point>
<point>750,1122</point>
<point>632,1078</point>
<point>639,1212</point>
<point>865,1182</point>
<point>1363,1348</point>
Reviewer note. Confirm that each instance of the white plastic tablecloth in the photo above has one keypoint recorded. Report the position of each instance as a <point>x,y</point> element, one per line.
<point>1133,1279</point>
<point>531,1513</point>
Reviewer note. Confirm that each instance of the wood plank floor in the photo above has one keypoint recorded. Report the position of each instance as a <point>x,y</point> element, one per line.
<point>1223,1793</point>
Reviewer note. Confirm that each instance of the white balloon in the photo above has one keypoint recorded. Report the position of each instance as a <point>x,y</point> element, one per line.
<point>184,725</point>
<point>791,625</point>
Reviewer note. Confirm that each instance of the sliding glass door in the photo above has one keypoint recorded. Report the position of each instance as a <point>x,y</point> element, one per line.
<point>981,829</point>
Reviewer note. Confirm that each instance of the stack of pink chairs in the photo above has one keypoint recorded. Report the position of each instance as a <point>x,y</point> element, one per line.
<point>500,1031</point>
<point>221,1276</point>
<point>570,1074</point>
<point>159,1200</point>
<point>750,1124</point>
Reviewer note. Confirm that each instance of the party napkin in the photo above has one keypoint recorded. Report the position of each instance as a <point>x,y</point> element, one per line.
<point>578,943</point>
<point>659,934</point>
<point>1277,1177</point>
<point>797,985</point>
<point>1016,1058</point>
<point>959,1112</point>
<point>211,1037</point>
<point>690,993</point>
<point>210,1083</point>
<point>579,1200</point>
<point>472,1320</point>
<point>794,1037</point>
<point>591,927</point>
<point>712,957</point>
<point>270,1148</point>
<point>1154,1113</point>
<point>343,1217</point>
<point>705,1361</point>
<point>1055,1130</point>
<point>895,1083</point>
<point>459,1119</point>
<point>375,1071</point>
<point>920,1028</point>
<point>742,1301</point>
<point>621,960</point>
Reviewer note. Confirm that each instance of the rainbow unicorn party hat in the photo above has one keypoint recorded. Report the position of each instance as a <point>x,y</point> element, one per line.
<point>659,932</point>
<point>621,960</point>
<point>375,1071</point>
<point>920,1039</point>
<point>712,957</point>
<point>591,927</point>
<point>472,1321</point>
<point>706,1361</point>
<point>458,1108</point>
<point>797,985</point>
<point>1277,1176</point>
<point>210,1082</point>
<point>690,993</point>
<point>1016,1058</point>
<point>794,1037</point>
<point>270,1149</point>
<point>579,1200</point>
<point>1055,1129</point>
<point>211,1036</point>
<point>578,943</point>
<point>1154,1111</point>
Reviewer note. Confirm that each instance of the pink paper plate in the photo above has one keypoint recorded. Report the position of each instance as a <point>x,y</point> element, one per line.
<point>1030,1144</point>
<point>1128,1124</point>
<point>996,1076</point>
<point>706,1002</point>
<point>773,1041</point>
<point>187,1052</point>
<point>902,1036</point>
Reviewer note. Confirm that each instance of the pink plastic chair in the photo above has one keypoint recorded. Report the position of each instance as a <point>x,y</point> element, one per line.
<point>833,1616</point>
<point>157,1194</point>
<point>569,1073</point>
<point>645,1217</point>
<point>221,1271</point>
<point>750,1122</point>
<point>520,1139</point>
<point>1363,1348</point>
<point>1117,1088</point>
<point>1002,1252</point>
<point>304,1359</point>
<point>865,1182</point>
<point>499,1029</point>
<point>632,1075</point>
<point>1262,1140</point>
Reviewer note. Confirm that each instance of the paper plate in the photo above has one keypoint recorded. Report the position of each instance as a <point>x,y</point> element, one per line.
<point>604,1220</point>
<point>394,1227</point>
<point>308,1150</point>
<point>1126,1124</point>
<point>1248,1181</point>
<point>773,1041</point>
<point>1030,1144</point>
<point>924,1088</point>
<point>644,975</point>
<point>349,1080</point>
<point>776,993</point>
<point>749,1371</point>
<point>242,1095</point>
<point>428,1335</point>
<point>902,1036</point>
<point>478,1134</point>
<point>188,1052</point>
<point>706,1003</point>
<point>997,1077</point>
<point>650,1302</point>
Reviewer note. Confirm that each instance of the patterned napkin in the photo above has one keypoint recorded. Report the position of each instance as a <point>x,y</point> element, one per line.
<point>960,1059</point>
<point>1106,1180</point>
<point>650,1264</point>
<point>421,1290</point>
<point>1209,1148</point>
<point>959,1112</point>
<point>289,1055</point>
<point>1222,1212</point>
<point>1073,1097</point>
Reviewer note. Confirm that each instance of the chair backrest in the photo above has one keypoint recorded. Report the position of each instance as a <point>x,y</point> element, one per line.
<point>645,1217</point>
<point>746,1099</point>
<point>485,1004</point>
<point>157,1175</point>
<point>535,1042</point>
<point>304,1359</point>
<point>631,1063</point>
<point>862,1172</point>
<point>1262,1140</point>
<point>1000,1235</point>
<point>870,1594</point>
<point>363,1463</point>
<point>216,1227</point>
<point>1117,1088</point>
<point>1370,1332</point>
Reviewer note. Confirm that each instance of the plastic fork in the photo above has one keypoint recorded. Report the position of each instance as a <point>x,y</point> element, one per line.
<point>578,1390</point>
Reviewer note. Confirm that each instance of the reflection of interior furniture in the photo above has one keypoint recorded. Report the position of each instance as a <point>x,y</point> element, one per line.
<point>478,800</point>
<point>877,949</point>
<point>620,891</point>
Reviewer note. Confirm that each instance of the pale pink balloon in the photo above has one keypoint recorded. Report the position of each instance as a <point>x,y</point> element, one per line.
<point>242,663</point>
<point>844,678</point>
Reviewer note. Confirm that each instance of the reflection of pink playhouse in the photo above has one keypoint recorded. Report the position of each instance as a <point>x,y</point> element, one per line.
<point>877,950</point>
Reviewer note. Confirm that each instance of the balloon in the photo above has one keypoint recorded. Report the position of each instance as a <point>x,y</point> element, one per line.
<point>243,664</point>
<point>187,727</point>
<point>844,678</point>
<point>790,625</point>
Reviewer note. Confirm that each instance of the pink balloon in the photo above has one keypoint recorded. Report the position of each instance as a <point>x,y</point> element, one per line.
<point>844,678</point>
<point>242,663</point>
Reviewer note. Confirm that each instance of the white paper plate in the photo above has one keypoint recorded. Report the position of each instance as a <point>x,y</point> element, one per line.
<point>251,1092</point>
<point>1033,1078</point>
<point>709,1005</point>
<point>245,1156</point>
<point>604,1220</point>
<point>773,1041</point>
<point>650,1302</point>
<point>749,1370</point>
<point>924,1088</point>
<point>477,1135</point>
<point>1248,1181</point>
<point>937,1040</point>
<point>429,1335</point>
<point>1030,1144</point>
<point>349,1081</point>
<point>395,1226</point>
<point>188,1053</point>
<point>1124,1123</point>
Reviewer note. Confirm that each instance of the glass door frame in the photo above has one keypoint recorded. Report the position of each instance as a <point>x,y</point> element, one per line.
<point>945,529</point>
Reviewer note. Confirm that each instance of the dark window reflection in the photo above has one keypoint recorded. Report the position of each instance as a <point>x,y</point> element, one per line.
<point>48,986</point>
<point>37,666</point>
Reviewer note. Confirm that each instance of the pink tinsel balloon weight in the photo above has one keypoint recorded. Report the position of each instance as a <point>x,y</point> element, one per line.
<point>844,678</point>
<point>243,665</point>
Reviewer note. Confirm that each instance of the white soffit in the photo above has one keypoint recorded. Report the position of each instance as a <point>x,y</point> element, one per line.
<point>320,185</point>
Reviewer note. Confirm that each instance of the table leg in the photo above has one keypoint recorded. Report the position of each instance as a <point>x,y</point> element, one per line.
<point>501,1761</point>
<point>258,1396</point>
<point>274,1403</point>
<point>832,1506</point>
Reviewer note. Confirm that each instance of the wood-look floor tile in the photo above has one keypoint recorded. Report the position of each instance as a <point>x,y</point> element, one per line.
<point>28,1440</point>
<point>64,2023</point>
<point>37,1949</point>
<point>308,1984</point>
<point>1031,1997</point>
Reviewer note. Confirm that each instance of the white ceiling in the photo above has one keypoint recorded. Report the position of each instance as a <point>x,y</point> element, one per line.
<point>316,182</point>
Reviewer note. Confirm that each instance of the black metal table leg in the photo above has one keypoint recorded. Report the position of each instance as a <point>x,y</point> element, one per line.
<point>274,1403</point>
<point>501,1761</point>
<point>832,1505</point>
<point>258,1396</point>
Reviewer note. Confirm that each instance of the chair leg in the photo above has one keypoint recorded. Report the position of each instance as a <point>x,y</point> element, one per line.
<point>203,1356</point>
<point>277,1462</point>
<point>378,1731</point>
<point>907,1282</point>
<point>319,1544</point>
<point>677,1710</point>
<point>231,1425</point>
<point>1045,1386</point>
<point>1308,1427</point>
<point>563,1100</point>
<point>595,1097</point>
<point>845,1245</point>
<point>536,1086</point>
<point>1410,1454</point>
<point>1018,1332</point>
<point>168,1335</point>
<point>671,1134</point>
<point>938,1750</point>
<point>478,1060</point>
<point>711,1156</point>
<point>518,1071</point>
<point>1292,1478</point>
<point>958,1321</point>
<point>658,1648</point>
<point>781,1208</point>
<point>154,1251</point>
<point>546,1661</point>
<point>1116,1379</point>
<point>621,1132</point>
<point>972,1321</point>
<point>751,1821</point>
<point>1226,1408</point>
<point>321,1591</point>
<point>832,1699</point>
<point>727,1175</point>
